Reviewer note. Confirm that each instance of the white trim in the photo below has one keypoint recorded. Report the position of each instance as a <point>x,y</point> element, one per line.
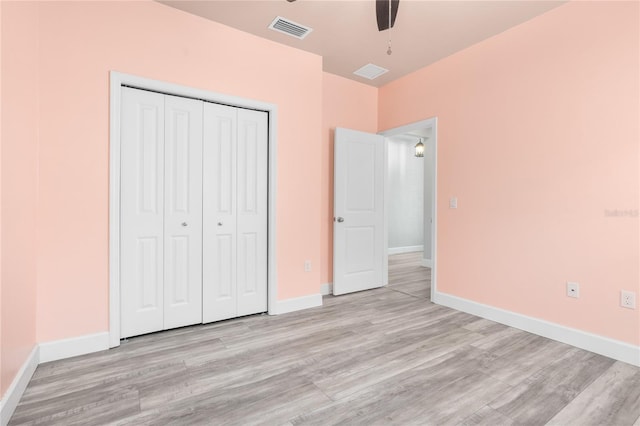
<point>326,289</point>
<point>74,346</point>
<point>611,348</point>
<point>385,215</point>
<point>297,304</point>
<point>118,79</point>
<point>407,249</point>
<point>427,263</point>
<point>272,250</point>
<point>11,398</point>
<point>114,209</point>
<point>433,123</point>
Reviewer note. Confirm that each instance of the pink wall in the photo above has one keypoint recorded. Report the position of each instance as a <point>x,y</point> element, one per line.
<point>345,103</point>
<point>80,43</point>
<point>2,389</point>
<point>19,186</point>
<point>538,137</point>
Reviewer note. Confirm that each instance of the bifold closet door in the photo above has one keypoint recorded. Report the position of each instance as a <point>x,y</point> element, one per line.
<point>183,212</point>
<point>235,212</point>
<point>219,213</point>
<point>161,212</point>
<point>252,211</point>
<point>142,212</point>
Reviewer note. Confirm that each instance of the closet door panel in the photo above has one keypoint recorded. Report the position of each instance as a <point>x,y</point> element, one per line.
<point>142,210</point>
<point>183,212</point>
<point>252,211</point>
<point>219,209</point>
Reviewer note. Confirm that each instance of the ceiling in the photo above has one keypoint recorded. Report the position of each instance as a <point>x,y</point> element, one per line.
<point>345,33</point>
<point>413,136</point>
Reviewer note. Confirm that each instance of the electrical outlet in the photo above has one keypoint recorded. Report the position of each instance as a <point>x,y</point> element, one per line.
<point>573,289</point>
<point>628,299</point>
<point>307,266</point>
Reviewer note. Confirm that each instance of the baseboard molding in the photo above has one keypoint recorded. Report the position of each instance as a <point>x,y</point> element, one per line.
<point>611,348</point>
<point>297,304</point>
<point>427,263</point>
<point>408,249</point>
<point>12,396</point>
<point>326,289</point>
<point>67,348</point>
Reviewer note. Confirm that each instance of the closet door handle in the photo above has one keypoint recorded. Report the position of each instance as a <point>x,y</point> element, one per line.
<point>219,223</point>
<point>184,223</point>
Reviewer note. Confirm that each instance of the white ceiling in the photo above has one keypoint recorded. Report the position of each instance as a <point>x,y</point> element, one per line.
<point>345,32</point>
<point>413,137</point>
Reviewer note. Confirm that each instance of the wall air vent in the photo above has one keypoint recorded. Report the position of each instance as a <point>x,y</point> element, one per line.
<point>370,71</point>
<point>288,27</point>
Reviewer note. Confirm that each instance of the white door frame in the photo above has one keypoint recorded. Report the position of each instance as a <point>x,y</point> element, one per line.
<point>433,123</point>
<point>117,81</point>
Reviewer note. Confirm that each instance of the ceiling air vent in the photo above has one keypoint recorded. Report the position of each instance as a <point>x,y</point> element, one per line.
<point>370,71</point>
<point>291,28</point>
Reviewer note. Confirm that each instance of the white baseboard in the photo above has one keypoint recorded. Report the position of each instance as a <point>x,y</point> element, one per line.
<point>10,399</point>
<point>427,263</point>
<point>408,249</point>
<point>611,348</point>
<point>297,304</point>
<point>326,289</point>
<point>66,348</point>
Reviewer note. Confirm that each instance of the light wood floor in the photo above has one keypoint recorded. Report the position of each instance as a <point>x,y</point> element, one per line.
<point>386,356</point>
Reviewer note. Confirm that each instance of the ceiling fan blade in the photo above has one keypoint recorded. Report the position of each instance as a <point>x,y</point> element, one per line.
<point>382,13</point>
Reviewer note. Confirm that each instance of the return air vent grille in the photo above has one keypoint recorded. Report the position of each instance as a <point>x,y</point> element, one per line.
<point>370,71</point>
<point>288,27</point>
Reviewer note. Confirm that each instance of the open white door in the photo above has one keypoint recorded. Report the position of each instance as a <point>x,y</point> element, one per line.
<point>358,224</point>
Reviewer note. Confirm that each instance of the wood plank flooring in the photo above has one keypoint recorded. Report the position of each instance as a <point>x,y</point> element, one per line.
<point>385,356</point>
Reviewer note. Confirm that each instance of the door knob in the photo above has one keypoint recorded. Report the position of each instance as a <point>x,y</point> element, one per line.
<point>219,223</point>
<point>340,219</point>
<point>184,223</point>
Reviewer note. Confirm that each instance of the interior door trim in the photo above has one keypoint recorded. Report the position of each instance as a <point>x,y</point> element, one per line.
<point>117,80</point>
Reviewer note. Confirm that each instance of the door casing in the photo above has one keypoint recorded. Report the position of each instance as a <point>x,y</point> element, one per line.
<point>117,80</point>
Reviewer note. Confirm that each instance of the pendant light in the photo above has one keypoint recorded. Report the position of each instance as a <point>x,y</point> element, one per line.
<point>420,149</point>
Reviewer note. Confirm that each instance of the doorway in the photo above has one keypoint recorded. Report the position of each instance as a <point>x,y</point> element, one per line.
<point>120,80</point>
<point>410,207</point>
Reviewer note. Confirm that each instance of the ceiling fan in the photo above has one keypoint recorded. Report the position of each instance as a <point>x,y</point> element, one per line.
<point>386,12</point>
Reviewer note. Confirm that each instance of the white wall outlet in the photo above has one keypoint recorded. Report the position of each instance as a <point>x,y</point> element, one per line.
<point>453,202</point>
<point>307,266</point>
<point>573,289</point>
<point>628,299</point>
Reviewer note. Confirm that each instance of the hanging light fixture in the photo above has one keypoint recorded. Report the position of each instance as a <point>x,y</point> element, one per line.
<point>420,149</point>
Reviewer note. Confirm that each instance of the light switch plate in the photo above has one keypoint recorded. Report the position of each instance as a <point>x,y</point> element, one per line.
<point>573,289</point>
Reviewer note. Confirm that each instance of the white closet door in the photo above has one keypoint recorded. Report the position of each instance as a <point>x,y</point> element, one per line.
<point>183,212</point>
<point>219,210</point>
<point>142,210</point>
<point>252,212</point>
